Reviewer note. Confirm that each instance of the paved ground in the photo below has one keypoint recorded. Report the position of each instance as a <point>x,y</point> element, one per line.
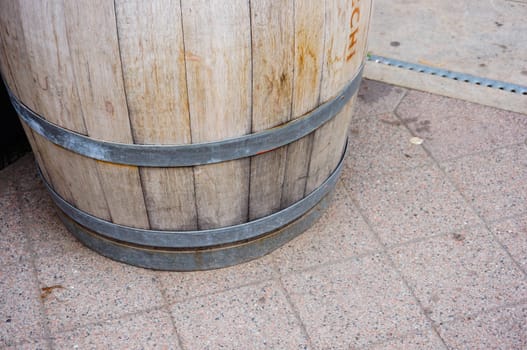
<point>424,247</point>
<point>484,38</point>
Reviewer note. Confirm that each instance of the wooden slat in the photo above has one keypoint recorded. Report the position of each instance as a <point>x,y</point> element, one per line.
<point>93,42</point>
<point>309,52</point>
<point>15,67</point>
<point>272,65</point>
<point>345,32</point>
<point>218,60</point>
<point>151,42</point>
<point>54,96</point>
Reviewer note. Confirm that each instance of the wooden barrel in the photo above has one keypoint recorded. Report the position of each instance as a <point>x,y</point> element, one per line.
<point>185,135</point>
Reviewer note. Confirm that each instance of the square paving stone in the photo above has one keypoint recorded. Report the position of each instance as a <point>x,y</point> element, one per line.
<point>354,304</point>
<point>46,233</point>
<point>20,307</point>
<point>339,234</point>
<point>178,286</point>
<point>495,183</point>
<point>252,317</point>
<point>12,237</point>
<point>512,233</point>
<point>20,176</point>
<point>499,329</point>
<point>460,274</point>
<point>82,287</point>
<point>426,340</point>
<point>376,98</point>
<point>411,204</point>
<point>452,128</point>
<point>381,145</point>
<point>149,330</point>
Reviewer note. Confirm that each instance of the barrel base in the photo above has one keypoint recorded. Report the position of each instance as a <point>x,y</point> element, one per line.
<point>195,259</point>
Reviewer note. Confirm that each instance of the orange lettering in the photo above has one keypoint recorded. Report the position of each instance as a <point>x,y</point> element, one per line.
<point>352,43</point>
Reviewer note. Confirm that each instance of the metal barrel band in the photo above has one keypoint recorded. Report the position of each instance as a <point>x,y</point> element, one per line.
<point>191,260</point>
<point>188,154</point>
<point>202,238</point>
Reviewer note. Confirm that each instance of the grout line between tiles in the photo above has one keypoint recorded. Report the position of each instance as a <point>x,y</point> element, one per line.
<point>465,199</point>
<point>395,267</point>
<point>296,313</point>
<point>107,320</point>
<point>167,308</point>
<point>190,298</point>
<point>474,315</point>
<point>473,154</point>
<point>33,265</point>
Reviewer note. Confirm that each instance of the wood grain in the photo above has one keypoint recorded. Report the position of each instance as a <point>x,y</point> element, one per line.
<point>218,61</point>
<point>151,43</point>
<point>309,52</point>
<point>53,86</point>
<point>15,67</point>
<point>93,43</point>
<point>272,28</point>
<point>344,52</point>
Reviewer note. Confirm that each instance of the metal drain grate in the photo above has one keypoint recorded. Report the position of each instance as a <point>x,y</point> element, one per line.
<point>467,78</point>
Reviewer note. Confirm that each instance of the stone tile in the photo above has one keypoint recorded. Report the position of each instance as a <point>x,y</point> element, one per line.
<point>495,183</point>
<point>355,303</point>
<point>12,237</point>
<point>19,305</point>
<point>499,329</point>
<point>252,317</point>
<point>460,274</point>
<point>453,128</point>
<point>512,234</point>
<point>149,330</point>
<point>375,98</point>
<point>84,287</point>
<point>425,340</point>
<point>38,344</point>
<point>411,204</point>
<point>20,176</point>
<point>44,229</point>
<point>380,145</point>
<point>178,286</point>
<point>339,234</point>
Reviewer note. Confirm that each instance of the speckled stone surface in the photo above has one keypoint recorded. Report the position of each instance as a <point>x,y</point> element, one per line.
<point>458,274</point>
<point>426,340</point>
<point>339,234</point>
<point>20,309</point>
<point>86,287</point>
<point>354,303</point>
<point>376,98</point>
<point>452,129</point>
<point>148,330</point>
<point>512,233</point>
<point>252,317</point>
<point>493,182</point>
<point>504,328</point>
<point>411,204</point>
<point>381,145</point>
<point>423,247</point>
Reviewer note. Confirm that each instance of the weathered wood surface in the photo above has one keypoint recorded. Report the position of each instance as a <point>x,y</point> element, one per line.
<point>152,53</point>
<point>178,72</point>
<point>218,61</point>
<point>344,48</point>
<point>272,84</point>
<point>309,53</point>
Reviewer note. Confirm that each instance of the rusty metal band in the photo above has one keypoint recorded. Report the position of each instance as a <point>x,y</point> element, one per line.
<point>188,154</point>
<point>201,238</point>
